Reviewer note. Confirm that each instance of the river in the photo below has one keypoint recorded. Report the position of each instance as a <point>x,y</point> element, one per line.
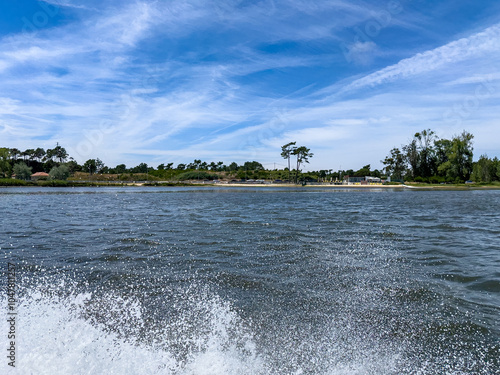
<point>213,280</point>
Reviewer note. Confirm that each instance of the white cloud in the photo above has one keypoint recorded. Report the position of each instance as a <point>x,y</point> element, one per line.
<point>64,4</point>
<point>34,53</point>
<point>126,26</point>
<point>476,45</point>
<point>362,53</point>
<point>8,106</point>
<point>476,79</point>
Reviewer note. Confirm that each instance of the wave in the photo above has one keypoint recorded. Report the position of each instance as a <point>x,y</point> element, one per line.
<point>82,333</point>
<point>64,329</point>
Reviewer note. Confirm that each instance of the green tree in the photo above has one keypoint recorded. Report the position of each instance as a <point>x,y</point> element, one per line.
<point>48,165</point>
<point>303,154</point>
<point>39,154</point>
<point>460,157</point>
<point>442,149</point>
<point>365,171</point>
<point>395,164</point>
<point>57,153</point>
<point>141,168</point>
<point>22,171</point>
<point>413,157</point>
<point>486,170</point>
<point>14,153</point>
<point>5,168</point>
<point>194,165</point>
<point>459,164</point>
<point>233,167</point>
<point>425,145</point>
<point>99,165</point>
<point>60,153</point>
<point>286,152</point>
<point>252,166</point>
<point>90,166</point>
<point>49,155</point>
<point>121,168</point>
<point>30,153</point>
<point>481,172</point>
<point>25,154</point>
<point>59,173</point>
<point>73,166</point>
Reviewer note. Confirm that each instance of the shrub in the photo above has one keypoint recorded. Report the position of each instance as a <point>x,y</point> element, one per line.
<point>13,182</point>
<point>53,183</point>
<point>22,171</point>
<point>125,177</point>
<point>194,175</point>
<point>419,179</point>
<point>59,173</point>
<point>436,179</point>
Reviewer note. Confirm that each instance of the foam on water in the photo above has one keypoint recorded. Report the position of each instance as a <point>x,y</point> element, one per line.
<point>74,334</point>
<point>63,328</point>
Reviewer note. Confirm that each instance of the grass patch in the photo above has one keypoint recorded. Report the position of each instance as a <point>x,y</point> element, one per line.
<point>197,175</point>
<point>14,182</point>
<point>167,184</point>
<point>53,183</point>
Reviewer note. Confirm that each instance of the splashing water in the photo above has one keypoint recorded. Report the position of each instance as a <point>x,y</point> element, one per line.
<point>77,333</point>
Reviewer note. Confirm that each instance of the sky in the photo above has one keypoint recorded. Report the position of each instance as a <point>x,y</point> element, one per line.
<point>218,80</point>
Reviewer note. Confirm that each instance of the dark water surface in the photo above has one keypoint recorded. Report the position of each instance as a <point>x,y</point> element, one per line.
<point>252,281</point>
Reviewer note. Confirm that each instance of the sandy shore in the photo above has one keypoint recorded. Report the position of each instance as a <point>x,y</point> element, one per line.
<point>416,187</point>
<point>301,186</point>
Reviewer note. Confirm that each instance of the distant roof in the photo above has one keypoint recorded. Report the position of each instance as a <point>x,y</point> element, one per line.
<point>40,174</point>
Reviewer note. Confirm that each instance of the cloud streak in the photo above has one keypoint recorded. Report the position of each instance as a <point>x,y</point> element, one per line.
<point>477,45</point>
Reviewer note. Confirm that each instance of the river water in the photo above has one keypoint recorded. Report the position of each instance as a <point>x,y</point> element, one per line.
<point>251,281</point>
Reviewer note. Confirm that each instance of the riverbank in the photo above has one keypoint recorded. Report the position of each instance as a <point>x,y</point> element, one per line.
<point>68,183</point>
<point>56,183</point>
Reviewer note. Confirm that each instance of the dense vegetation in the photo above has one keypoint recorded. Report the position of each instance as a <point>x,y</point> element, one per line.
<point>426,159</point>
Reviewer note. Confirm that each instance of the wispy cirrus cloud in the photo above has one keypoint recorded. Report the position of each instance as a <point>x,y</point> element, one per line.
<point>477,45</point>
<point>232,80</point>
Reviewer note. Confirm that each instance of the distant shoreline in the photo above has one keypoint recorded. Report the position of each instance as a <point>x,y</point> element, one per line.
<point>72,184</point>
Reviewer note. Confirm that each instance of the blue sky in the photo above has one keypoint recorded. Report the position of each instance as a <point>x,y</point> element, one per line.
<point>171,81</point>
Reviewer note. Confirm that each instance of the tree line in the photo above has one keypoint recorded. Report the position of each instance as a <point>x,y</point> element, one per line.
<point>426,158</point>
<point>23,163</point>
<point>59,165</point>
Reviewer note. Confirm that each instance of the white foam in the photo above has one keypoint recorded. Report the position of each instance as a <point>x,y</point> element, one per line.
<point>64,332</point>
<point>54,337</point>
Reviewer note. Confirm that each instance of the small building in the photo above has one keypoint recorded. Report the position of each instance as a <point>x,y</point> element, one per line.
<point>351,180</point>
<point>373,180</point>
<point>40,176</point>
